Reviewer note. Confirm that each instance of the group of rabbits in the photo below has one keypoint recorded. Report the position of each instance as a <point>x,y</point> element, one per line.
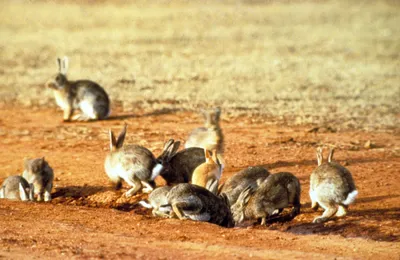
<point>192,175</point>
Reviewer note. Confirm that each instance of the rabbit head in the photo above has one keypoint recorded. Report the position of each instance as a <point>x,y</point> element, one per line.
<point>212,118</point>
<point>60,79</point>
<point>168,152</point>
<point>35,166</point>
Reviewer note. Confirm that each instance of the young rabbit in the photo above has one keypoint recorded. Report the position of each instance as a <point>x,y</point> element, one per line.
<point>275,193</point>
<point>133,163</point>
<point>210,136</point>
<point>85,95</point>
<point>197,203</point>
<point>16,188</point>
<point>207,174</point>
<point>40,175</point>
<point>158,198</point>
<point>331,187</point>
<point>251,176</point>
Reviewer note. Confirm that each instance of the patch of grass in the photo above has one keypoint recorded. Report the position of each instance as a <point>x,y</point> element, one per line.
<point>321,62</point>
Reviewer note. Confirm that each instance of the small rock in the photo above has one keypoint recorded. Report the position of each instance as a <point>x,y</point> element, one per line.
<point>368,145</point>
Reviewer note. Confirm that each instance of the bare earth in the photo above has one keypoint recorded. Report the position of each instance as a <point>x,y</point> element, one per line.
<point>89,219</point>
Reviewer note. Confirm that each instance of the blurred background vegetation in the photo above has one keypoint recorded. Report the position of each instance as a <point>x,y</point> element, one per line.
<point>298,62</point>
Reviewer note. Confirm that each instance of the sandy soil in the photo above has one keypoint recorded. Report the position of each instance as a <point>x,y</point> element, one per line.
<point>89,219</point>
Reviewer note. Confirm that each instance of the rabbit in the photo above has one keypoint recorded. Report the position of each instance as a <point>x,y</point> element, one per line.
<point>40,175</point>
<point>193,202</point>
<point>252,176</point>
<point>157,198</point>
<point>16,188</point>
<point>133,163</point>
<point>85,95</point>
<point>275,193</point>
<point>178,167</point>
<point>207,174</point>
<point>210,136</point>
<point>331,187</point>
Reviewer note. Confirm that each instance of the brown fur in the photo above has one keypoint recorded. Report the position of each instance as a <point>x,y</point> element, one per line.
<point>209,170</point>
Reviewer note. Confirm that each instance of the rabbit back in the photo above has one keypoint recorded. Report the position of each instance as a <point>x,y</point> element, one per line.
<point>90,98</point>
<point>251,176</point>
<point>206,172</point>
<point>281,190</point>
<point>333,184</point>
<point>130,161</point>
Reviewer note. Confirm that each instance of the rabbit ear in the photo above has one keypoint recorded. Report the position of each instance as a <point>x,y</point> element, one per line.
<point>168,144</point>
<point>112,140</point>
<point>330,156</point>
<point>220,188</point>
<point>244,196</point>
<point>207,154</point>
<point>217,114</point>
<point>59,65</point>
<point>2,195</point>
<point>214,156</point>
<point>22,193</point>
<point>165,150</point>
<point>212,185</point>
<point>121,138</point>
<point>31,192</point>
<point>224,197</point>
<point>319,155</point>
<point>64,65</point>
<point>173,149</point>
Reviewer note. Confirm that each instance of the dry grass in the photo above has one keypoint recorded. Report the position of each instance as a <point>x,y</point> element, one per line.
<point>303,61</point>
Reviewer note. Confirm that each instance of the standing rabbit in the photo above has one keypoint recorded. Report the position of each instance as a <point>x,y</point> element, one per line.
<point>16,188</point>
<point>133,163</point>
<point>210,136</point>
<point>275,193</point>
<point>331,187</point>
<point>158,198</point>
<point>40,175</point>
<point>252,176</point>
<point>85,95</point>
<point>207,174</point>
<point>197,203</point>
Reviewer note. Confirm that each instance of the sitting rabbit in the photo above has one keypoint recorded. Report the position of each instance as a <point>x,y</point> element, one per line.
<point>16,188</point>
<point>40,175</point>
<point>210,136</point>
<point>85,95</point>
<point>331,187</point>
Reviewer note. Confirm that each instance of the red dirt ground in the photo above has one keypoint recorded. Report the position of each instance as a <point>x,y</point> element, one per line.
<point>88,219</point>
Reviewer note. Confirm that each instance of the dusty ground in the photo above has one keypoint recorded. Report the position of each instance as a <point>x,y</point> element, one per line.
<point>273,66</point>
<point>88,219</point>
